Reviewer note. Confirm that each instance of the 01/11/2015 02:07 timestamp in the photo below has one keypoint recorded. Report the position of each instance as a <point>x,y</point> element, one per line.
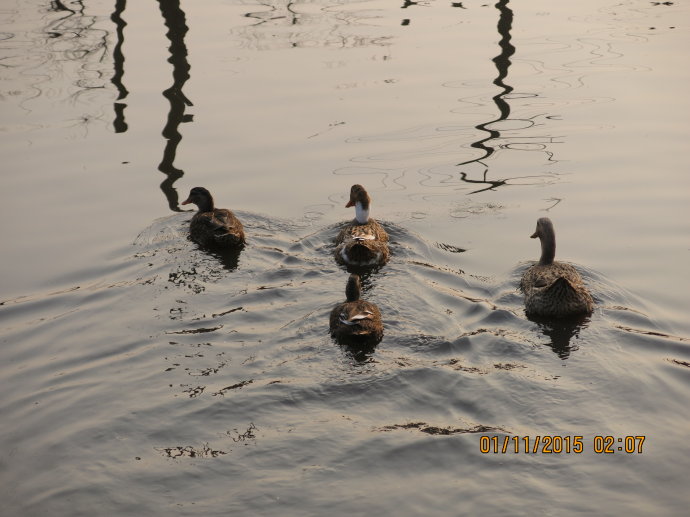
<point>555,444</point>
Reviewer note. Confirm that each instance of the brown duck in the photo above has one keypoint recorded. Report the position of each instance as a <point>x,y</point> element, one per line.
<point>210,226</point>
<point>553,289</point>
<point>356,318</point>
<point>363,242</point>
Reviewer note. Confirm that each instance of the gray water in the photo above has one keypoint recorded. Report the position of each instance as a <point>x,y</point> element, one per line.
<point>142,375</point>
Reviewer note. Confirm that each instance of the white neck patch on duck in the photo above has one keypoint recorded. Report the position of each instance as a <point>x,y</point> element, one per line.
<point>361,214</point>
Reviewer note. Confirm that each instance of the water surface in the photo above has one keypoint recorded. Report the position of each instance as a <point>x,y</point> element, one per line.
<point>143,375</point>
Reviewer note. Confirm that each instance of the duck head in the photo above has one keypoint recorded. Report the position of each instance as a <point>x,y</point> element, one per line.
<point>360,200</point>
<point>201,197</point>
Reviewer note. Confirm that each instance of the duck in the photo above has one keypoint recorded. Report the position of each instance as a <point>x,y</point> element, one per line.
<point>356,319</point>
<point>553,289</point>
<point>213,227</point>
<point>363,242</point>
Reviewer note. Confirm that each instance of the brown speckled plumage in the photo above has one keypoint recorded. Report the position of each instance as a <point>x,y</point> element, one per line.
<point>363,242</point>
<point>356,318</point>
<point>553,289</point>
<point>213,227</point>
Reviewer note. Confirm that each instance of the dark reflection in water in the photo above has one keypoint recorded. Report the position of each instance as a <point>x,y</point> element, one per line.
<point>360,349</point>
<point>177,29</point>
<point>175,21</point>
<point>502,62</point>
<point>290,15</point>
<point>229,258</point>
<point>489,144</point>
<point>77,41</point>
<point>281,25</point>
<point>119,65</point>
<point>561,332</point>
<point>408,3</point>
<point>75,9</point>
<point>56,5</point>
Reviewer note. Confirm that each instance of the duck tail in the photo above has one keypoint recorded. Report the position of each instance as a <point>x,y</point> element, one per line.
<point>359,252</point>
<point>563,293</point>
<point>561,284</point>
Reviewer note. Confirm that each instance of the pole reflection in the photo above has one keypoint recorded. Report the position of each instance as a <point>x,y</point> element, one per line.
<point>119,65</point>
<point>502,62</point>
<point>175,22</point>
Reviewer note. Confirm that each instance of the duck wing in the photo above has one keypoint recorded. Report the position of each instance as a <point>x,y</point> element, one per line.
<point>540,276</point>
<point>219,227</point>
<point>223,220</point>
<point>362,245</point>
<point>371,231</point>
<point>555,290</point>
<point>356,318</point>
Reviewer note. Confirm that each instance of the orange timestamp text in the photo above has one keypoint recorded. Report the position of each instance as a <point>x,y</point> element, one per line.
<point>557,444</point>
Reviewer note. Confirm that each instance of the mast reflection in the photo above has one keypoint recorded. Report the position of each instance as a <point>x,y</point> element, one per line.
<point>119,64</point>
<point>502,62</point>
<point>175,21</point>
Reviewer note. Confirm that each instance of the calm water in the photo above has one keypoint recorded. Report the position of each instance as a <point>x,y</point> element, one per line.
<point>142,375</point>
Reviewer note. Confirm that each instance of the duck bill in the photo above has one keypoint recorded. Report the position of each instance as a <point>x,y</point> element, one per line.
<point>186,202</point>
<point>349,204</point>
<point>533,236</point>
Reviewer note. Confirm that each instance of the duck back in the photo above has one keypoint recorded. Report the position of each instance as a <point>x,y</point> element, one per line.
<point>218,228</point>
<point>555,290</point>
<point>362,244</point>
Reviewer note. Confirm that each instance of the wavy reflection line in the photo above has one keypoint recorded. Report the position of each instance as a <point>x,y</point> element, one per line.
<point>281,25</point>
<point>75,49</point>
<point>119,65</point>
<point>175,21</point>
<point>267,16</point>
<point>502,62</point>
<point>61,56</point>
<point>57,6</point>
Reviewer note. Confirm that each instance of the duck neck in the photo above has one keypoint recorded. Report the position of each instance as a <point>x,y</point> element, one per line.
<point>548,246</point>
<point>352,289</point>
<point>205,204</point>
<point>361,213</point>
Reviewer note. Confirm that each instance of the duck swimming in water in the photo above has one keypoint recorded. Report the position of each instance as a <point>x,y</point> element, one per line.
<point>213,227</point>
<point>363,242</point>
<point>355,318</point>
<point>553,289</point>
